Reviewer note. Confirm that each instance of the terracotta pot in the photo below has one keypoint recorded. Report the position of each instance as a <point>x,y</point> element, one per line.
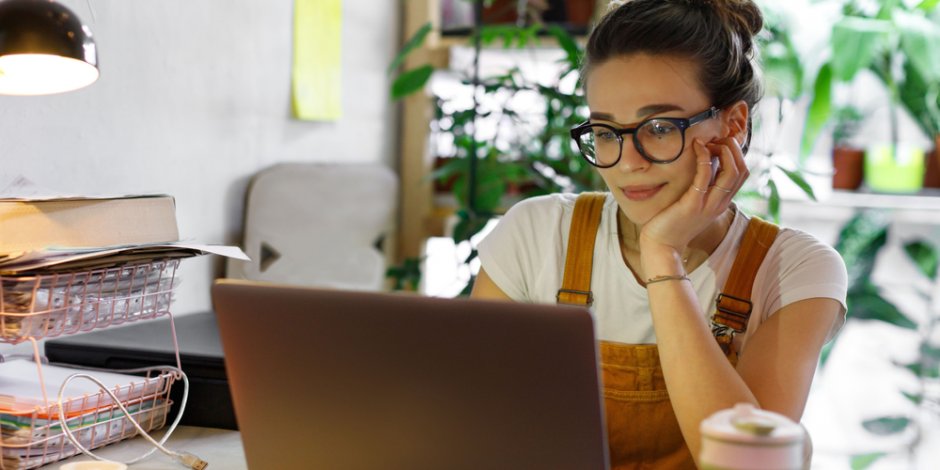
<point>932,173</point>
<point>575,12</point>
<point>446,185</point>
<point>500,11</point>
<point>848,167</point>
<point>580,12</point>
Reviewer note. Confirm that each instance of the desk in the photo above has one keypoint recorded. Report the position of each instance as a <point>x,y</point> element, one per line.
<point>220,447</point>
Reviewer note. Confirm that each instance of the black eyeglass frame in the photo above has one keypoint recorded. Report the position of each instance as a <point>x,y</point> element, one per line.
<point>681,123</point>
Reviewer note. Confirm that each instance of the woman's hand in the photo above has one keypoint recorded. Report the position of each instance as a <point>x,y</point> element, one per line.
<point>702,203</point>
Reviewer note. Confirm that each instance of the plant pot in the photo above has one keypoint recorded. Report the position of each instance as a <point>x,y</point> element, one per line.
<point>848,165</point>
<point>932,172</point>
<point>500,12</point>
<point>580,12</point>
<point>444,185</point>
<point>572,12</point>
<point>886,173</point>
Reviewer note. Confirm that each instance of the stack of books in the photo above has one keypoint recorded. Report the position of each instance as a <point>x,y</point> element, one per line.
<point>65,234</point>
<point>72,264</point>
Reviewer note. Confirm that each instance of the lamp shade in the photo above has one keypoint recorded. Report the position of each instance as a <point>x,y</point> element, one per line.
<point>44,49</point>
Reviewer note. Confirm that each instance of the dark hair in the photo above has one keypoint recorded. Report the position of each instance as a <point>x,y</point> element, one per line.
<point>717,34</point>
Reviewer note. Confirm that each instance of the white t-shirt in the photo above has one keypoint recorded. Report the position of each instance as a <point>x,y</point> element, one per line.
<point>525,256</point>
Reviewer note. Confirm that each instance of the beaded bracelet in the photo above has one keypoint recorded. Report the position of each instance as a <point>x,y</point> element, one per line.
<point>656,279</point>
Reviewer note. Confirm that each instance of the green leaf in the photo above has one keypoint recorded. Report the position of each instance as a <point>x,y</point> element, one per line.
<point>919,370</point>
<point>855,41</point>
<point>861,462</point>
<point>491,184</point>
<point>931,353</point>
<point>920,98</point>
<point>866,303</point>
<point>750,194</point>
<point>773,202</point>
<point>928,5</point>
<point>819,110</point>
<point>453,166</point>
<point>925,256</point>
<point>860,240</point>
<point>797,178</point>
<point>528,34</point>
<point>915,399</point>
<point>887,425</point>
<point>411,81</point>
<point>920,42</point>
<point>566,42</point>
<point>469,287</point>
<point>783,68</point>
<point>468,225</point>
<point>406,276</point>
<point>413,43</point>
<point>929,365</point>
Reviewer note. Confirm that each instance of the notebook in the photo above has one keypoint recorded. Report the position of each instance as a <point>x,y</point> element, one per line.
<point>354,380</point>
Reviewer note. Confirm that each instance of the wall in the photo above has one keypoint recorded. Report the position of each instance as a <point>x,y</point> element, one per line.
<point>193,99</point>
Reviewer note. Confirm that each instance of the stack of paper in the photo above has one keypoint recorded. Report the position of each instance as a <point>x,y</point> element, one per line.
<point>29,419</point>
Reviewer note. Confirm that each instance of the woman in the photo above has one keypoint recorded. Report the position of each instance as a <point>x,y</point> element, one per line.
<point>671,89</point>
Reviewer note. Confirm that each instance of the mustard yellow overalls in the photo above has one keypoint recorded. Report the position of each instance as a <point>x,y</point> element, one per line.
<point>642,429</point>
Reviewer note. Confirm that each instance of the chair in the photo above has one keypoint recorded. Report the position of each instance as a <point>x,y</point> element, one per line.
<point>318,225</point>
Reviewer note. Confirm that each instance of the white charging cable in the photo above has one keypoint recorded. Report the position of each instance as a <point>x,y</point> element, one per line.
<point>185,458</point>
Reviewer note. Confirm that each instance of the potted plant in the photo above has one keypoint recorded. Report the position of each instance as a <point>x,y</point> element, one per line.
<point>530,152</point>
<point>847,158</point>
<point>860,242</point>
<point>898,44</point>
<point>920,94</point>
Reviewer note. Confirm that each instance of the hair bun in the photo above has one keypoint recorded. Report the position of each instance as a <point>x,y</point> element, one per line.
<point>743,15</point>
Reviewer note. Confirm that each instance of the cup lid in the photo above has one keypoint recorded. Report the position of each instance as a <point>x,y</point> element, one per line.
<point>746,423</point>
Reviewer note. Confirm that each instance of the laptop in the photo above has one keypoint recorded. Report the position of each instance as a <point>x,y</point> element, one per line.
<point>355,380</point>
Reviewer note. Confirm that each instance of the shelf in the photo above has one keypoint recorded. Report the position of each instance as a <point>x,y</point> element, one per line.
<point>922,208</point>
<point>49,305</point>
<point>925,200</point>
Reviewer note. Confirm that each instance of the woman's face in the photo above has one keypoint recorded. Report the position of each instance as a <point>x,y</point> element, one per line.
<point>626,90</point>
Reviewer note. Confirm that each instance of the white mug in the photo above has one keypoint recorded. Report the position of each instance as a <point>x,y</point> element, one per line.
<point>745,437</point>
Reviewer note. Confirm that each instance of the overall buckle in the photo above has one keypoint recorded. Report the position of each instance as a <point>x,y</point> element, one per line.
<point>588,297</point>
<point>733,312</point>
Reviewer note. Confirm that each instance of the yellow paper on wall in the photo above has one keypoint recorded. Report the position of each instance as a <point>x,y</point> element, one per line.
<point>316,79</point>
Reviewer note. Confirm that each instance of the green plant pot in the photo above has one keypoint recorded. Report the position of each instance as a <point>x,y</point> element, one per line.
<point>885,173</point>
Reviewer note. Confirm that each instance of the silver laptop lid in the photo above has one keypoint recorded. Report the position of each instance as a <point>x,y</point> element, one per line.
<point>327,379</point>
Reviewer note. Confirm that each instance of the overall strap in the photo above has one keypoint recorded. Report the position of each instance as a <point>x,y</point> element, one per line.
<point>579,260</point>
<point>733,305</point>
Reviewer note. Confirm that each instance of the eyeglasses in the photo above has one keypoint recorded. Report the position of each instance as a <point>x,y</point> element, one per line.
<point>658,140</point>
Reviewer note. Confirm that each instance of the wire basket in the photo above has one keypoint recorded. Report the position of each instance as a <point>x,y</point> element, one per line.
<point>50,305</point>
<point>34,438</point>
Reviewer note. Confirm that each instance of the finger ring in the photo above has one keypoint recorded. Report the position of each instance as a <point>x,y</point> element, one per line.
<point>725,190</point>
<point>705,163</point>
<point>703,191</point>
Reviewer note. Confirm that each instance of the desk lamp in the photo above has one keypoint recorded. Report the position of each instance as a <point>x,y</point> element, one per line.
<point>44,49</point>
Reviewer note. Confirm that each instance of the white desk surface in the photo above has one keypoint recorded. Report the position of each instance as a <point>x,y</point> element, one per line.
<point>222,448</point>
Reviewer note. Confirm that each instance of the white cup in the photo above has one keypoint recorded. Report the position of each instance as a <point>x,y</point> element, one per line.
<point>745,437</point>
<point>94,465</point>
